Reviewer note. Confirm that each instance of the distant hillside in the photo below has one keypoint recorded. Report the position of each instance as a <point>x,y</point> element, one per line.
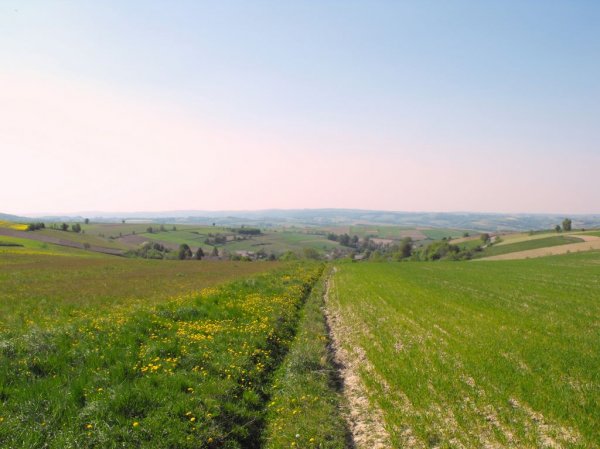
<point>332,217</point>
<point>8,217</point>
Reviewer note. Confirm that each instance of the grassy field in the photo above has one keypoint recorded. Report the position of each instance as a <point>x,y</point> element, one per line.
<point>104,352</point>
<point>378,231</point>
<point>32,247</point>
<point>81,238</point>
<point>502,354</point>
<point>556,240</point>
<point>45,286</point>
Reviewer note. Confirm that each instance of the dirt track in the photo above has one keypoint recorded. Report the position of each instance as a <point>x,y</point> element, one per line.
<point>365,421</point>
<point>590,242</point>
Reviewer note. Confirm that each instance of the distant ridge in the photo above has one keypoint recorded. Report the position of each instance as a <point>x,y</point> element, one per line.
<point>340,217</point>
<point>9,217</point>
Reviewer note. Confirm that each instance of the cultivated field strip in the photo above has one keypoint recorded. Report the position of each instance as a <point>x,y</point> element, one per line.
<point>505,354</point>
<point>589,243</point>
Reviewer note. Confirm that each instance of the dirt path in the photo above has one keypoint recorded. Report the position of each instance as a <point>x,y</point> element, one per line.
<point>364,421</point>
<point>590,242</point>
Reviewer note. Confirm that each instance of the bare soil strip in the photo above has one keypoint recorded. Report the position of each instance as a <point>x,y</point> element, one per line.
<point>365,421</point>
<point>590,243</point>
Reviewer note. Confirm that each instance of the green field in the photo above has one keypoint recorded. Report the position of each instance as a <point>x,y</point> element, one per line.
<point>43,284</point>
<point>496,250</point>
<point>81,238</point>
<point>504,354</point>
<point>103,352</point>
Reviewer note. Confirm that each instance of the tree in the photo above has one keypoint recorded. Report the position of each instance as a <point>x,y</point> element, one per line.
<point>215,252</point>
<point>406,247</point>
<point>557,228</point>
<point>76,227</point>
<point>35,226</point>
<point>174,228</point>
<point>162,228</point>
<point>485,237</point>
<point>123,221</point>
<point>184,251</point>
<point>566,224</point>
<point>311,253</point>
<point>149,230</point>
<point>64,227</point>
<point>199,253</point>
<point>86,221</point>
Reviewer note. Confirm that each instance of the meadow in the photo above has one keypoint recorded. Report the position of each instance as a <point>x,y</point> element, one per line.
<point>142,361</point>
<point>44,284</point>
<point>501,354</point>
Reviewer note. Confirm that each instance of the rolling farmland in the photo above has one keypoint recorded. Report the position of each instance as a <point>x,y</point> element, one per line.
<point>105,351</point>
<point>502,354</point>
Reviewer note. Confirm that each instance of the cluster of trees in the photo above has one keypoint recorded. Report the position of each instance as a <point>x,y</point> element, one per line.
<point>35,226</point>
<point>216,239</point>
<point>151,250</point>
<point>154,250</point>
<point>246,231</point>
<point>372,249</point>
<point>566,225</point>
<point>185,252</point>
<point>344,239</point>
<point>161,228</point>
<point>75,227</point>
<point>444,250</point>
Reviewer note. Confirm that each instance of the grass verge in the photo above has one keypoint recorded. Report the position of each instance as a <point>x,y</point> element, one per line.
<point>305,410</point>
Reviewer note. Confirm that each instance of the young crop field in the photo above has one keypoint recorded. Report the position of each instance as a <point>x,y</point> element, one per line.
<point>142,361</point>
<point>546,242</point>
<point>463,355</point>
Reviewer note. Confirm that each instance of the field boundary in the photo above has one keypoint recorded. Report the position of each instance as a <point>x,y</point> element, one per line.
<point>365,421</point>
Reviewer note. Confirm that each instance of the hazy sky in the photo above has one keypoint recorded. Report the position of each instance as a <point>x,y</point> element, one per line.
<point>416,105</point>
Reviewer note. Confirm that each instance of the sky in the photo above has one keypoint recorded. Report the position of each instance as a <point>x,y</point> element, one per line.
<point>403,105</point>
